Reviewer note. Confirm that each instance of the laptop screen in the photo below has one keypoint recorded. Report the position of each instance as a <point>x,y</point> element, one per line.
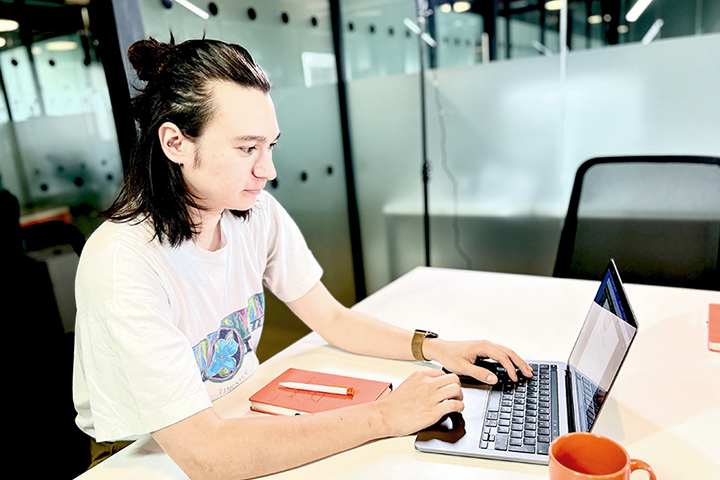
<point>608,296</point>
<point>600,349</point>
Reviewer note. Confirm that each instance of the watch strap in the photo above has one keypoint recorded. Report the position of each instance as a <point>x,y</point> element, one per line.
<point>417,343</point>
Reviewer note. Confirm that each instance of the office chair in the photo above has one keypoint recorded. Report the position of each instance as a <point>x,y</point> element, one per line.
<point>49,234</point>
<point>34,338</point>
<point>658,217</point>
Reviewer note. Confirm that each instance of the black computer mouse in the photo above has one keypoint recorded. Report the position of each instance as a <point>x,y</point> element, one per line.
<point>494,367</point>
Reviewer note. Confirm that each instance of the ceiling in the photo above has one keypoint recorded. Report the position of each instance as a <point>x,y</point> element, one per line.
<point>41,19</point>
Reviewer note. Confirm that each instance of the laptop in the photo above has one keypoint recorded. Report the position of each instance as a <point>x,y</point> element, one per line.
<point>517,421</point>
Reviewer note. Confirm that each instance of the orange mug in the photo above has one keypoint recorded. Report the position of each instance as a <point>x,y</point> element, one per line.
<point>589,456</point>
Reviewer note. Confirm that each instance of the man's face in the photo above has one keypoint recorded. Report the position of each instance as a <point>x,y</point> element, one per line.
<point>233,156</point>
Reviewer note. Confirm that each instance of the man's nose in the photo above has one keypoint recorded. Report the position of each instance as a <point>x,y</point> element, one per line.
<point>264,167</point>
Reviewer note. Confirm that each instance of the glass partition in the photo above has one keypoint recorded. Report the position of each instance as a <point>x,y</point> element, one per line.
<point>526,28</point>
<point>459,38</point>
<point>386,138</point>
<point>639,99</point>
<point>515,143</point>
<point>376,40</point>
<point>504,138</point>
<point>59,132</point>
<point>494,141</point>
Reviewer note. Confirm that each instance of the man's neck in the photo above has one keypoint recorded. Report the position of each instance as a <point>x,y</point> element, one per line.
<point>210,234</point>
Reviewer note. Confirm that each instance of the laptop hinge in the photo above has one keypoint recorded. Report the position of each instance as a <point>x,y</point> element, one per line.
<point>569,393</point>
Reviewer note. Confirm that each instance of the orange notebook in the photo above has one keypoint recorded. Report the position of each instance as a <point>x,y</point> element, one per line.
<point>714,328</point>
<point>277,400</point>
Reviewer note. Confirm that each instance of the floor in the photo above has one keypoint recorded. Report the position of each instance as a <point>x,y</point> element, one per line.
<point>281,329</point>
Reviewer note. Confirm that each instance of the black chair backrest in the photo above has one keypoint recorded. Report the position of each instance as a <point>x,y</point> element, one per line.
<point>49,234</point>
<point>669,233</point>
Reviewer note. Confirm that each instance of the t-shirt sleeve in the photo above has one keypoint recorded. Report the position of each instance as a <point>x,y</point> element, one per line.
<point>139,372</point>
<point>291,269</point>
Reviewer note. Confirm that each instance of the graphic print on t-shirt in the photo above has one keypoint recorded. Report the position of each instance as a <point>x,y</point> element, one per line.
<point>220,355</point>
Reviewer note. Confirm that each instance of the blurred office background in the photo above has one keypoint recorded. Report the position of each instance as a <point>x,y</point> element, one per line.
<point>497,102</point>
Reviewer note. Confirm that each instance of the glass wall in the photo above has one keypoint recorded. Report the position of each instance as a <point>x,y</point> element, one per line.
<point>507,126</point>
<point>376,41</point>
<point>59,141</point>
<point>59,153</point>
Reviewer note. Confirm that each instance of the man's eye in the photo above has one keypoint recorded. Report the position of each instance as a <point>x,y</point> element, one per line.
<point>248,150</point>
<point>272,145</point>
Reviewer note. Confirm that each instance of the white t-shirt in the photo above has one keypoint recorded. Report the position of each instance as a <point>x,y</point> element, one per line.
<point>162,332</point>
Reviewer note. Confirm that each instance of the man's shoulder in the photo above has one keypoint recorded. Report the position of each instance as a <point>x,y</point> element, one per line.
<point>129,231</point>
<point>117,255</point>
<point>111,235</point>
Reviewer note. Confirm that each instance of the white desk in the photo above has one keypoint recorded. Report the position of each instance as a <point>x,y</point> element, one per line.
<point>664,407</point>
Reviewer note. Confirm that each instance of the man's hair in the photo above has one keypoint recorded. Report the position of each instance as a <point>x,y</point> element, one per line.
<point>178,89</point>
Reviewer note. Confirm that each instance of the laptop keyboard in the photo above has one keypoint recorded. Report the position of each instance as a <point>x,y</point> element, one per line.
<point>523,417</point>
<point>590,397</point>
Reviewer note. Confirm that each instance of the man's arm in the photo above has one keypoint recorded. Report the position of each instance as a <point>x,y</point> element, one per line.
<point>206,446</point>
<point>360,333</point>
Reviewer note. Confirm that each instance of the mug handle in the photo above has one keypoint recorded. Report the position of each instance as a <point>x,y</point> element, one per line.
<point>640,465</point>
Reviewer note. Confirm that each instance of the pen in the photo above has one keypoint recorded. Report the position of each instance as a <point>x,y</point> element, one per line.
<point>319,388</point>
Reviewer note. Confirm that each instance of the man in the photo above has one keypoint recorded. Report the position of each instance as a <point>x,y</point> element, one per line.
<point>170,290</point>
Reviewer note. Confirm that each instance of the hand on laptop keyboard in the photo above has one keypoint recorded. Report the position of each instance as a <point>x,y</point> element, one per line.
<point>458,357</point>
<point>499,371</point>
<point>496,369</point>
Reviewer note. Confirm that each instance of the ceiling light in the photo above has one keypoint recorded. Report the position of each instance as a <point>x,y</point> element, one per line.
<point>61,45</point>
<point>412,26</point>
<point>446,8</point>
<point>594,19</point>
<point>653,32</point>
<point>461,7</point>
<point>542,48</point>
<point>418,31</point>
<point>194,8</point>
<point>623,29</point>
<point>35,50</point>
<point>2,42</point>
<point>637,10</point>
<point>8,25</point>
<point>554,5</point>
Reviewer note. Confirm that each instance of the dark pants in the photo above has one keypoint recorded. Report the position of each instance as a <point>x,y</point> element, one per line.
<point>100,451</point>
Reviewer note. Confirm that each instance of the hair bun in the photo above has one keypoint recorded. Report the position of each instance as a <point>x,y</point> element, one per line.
<point>148,57</point>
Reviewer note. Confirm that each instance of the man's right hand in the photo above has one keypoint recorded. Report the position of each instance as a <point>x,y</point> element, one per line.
<point>420,401</point>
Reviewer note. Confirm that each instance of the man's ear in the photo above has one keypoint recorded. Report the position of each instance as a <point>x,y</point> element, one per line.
<point>176,146</point>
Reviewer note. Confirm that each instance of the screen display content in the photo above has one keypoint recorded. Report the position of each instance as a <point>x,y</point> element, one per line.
<point>600,349</point>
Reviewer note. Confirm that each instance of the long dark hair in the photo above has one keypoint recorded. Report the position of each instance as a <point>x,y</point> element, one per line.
<point>177,90</point>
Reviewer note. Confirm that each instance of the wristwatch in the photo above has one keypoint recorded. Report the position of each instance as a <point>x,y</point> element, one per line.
<point>417,343</point>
